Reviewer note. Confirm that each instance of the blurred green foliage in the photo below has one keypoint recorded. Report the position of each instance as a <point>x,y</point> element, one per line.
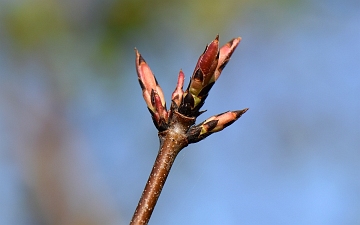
<point>33,23</point>
<point>100,34</point>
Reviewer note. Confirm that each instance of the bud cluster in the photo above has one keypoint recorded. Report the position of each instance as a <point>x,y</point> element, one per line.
<point>188,103</point>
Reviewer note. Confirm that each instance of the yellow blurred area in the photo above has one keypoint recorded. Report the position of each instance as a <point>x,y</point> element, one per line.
<point>33,23</point>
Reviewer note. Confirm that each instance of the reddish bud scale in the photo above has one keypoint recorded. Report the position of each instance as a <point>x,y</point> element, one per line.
<point>225,53</point>
<point>208,61</point>
<point>204,70</point>
<point>213,124</point>
<point>177,95</point>
<point>152,92</point>
<point>207,71</point>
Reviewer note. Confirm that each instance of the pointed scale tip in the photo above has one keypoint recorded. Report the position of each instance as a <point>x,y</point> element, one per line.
<point>180,81</point>
<point>177,95</point>
<point>233,43</point>
<point>236,40</point>
<point>139,58</point>
<point>239,113</point>
<point>136,53</point>
<point>181,73</point>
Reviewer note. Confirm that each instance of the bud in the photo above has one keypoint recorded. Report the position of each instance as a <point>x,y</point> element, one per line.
<point>207,71</point>
<point>205,68</point>
<point>152,93</point>
<point>177,95</point>
<point>225,53</point>
<point>213,124</point>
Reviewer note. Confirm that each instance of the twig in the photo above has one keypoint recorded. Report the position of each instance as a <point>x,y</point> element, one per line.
<point>176,126</point>
<point>171,143</point>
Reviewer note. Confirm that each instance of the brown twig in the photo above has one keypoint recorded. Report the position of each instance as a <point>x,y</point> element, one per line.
<point>171,142</point>
<point>176,126</point>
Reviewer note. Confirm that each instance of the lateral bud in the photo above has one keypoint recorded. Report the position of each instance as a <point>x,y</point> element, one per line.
<point>177,95</point>
<point>152,93</point>
<point>213,124</point>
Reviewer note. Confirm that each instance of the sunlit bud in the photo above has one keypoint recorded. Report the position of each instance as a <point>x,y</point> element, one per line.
<point>177,95</point>
<point>213,124</point>
<point>207,71</point>
<point>225,53</point>
<point>152,93</point>
<point>204,71</point>
<point>159,115</point>
<point>205,67</point>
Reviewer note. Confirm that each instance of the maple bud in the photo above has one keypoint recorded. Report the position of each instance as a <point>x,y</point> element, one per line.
<point>152,93</point>
<point>206,72</point>
<point>213,124</point>
<point>177,95</point>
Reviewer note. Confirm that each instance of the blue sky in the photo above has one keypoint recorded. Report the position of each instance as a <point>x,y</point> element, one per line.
<point>293,158</point>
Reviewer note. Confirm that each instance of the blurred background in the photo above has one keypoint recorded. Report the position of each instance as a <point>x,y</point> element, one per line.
<point>77,143</point>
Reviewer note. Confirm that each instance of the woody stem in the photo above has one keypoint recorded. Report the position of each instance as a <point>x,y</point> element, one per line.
<point>170,145</point>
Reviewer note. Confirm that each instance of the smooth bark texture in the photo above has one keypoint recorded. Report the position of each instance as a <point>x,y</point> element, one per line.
<point>172,141</point>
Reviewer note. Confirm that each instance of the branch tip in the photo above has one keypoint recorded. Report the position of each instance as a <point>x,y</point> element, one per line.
<point>176,126</point>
